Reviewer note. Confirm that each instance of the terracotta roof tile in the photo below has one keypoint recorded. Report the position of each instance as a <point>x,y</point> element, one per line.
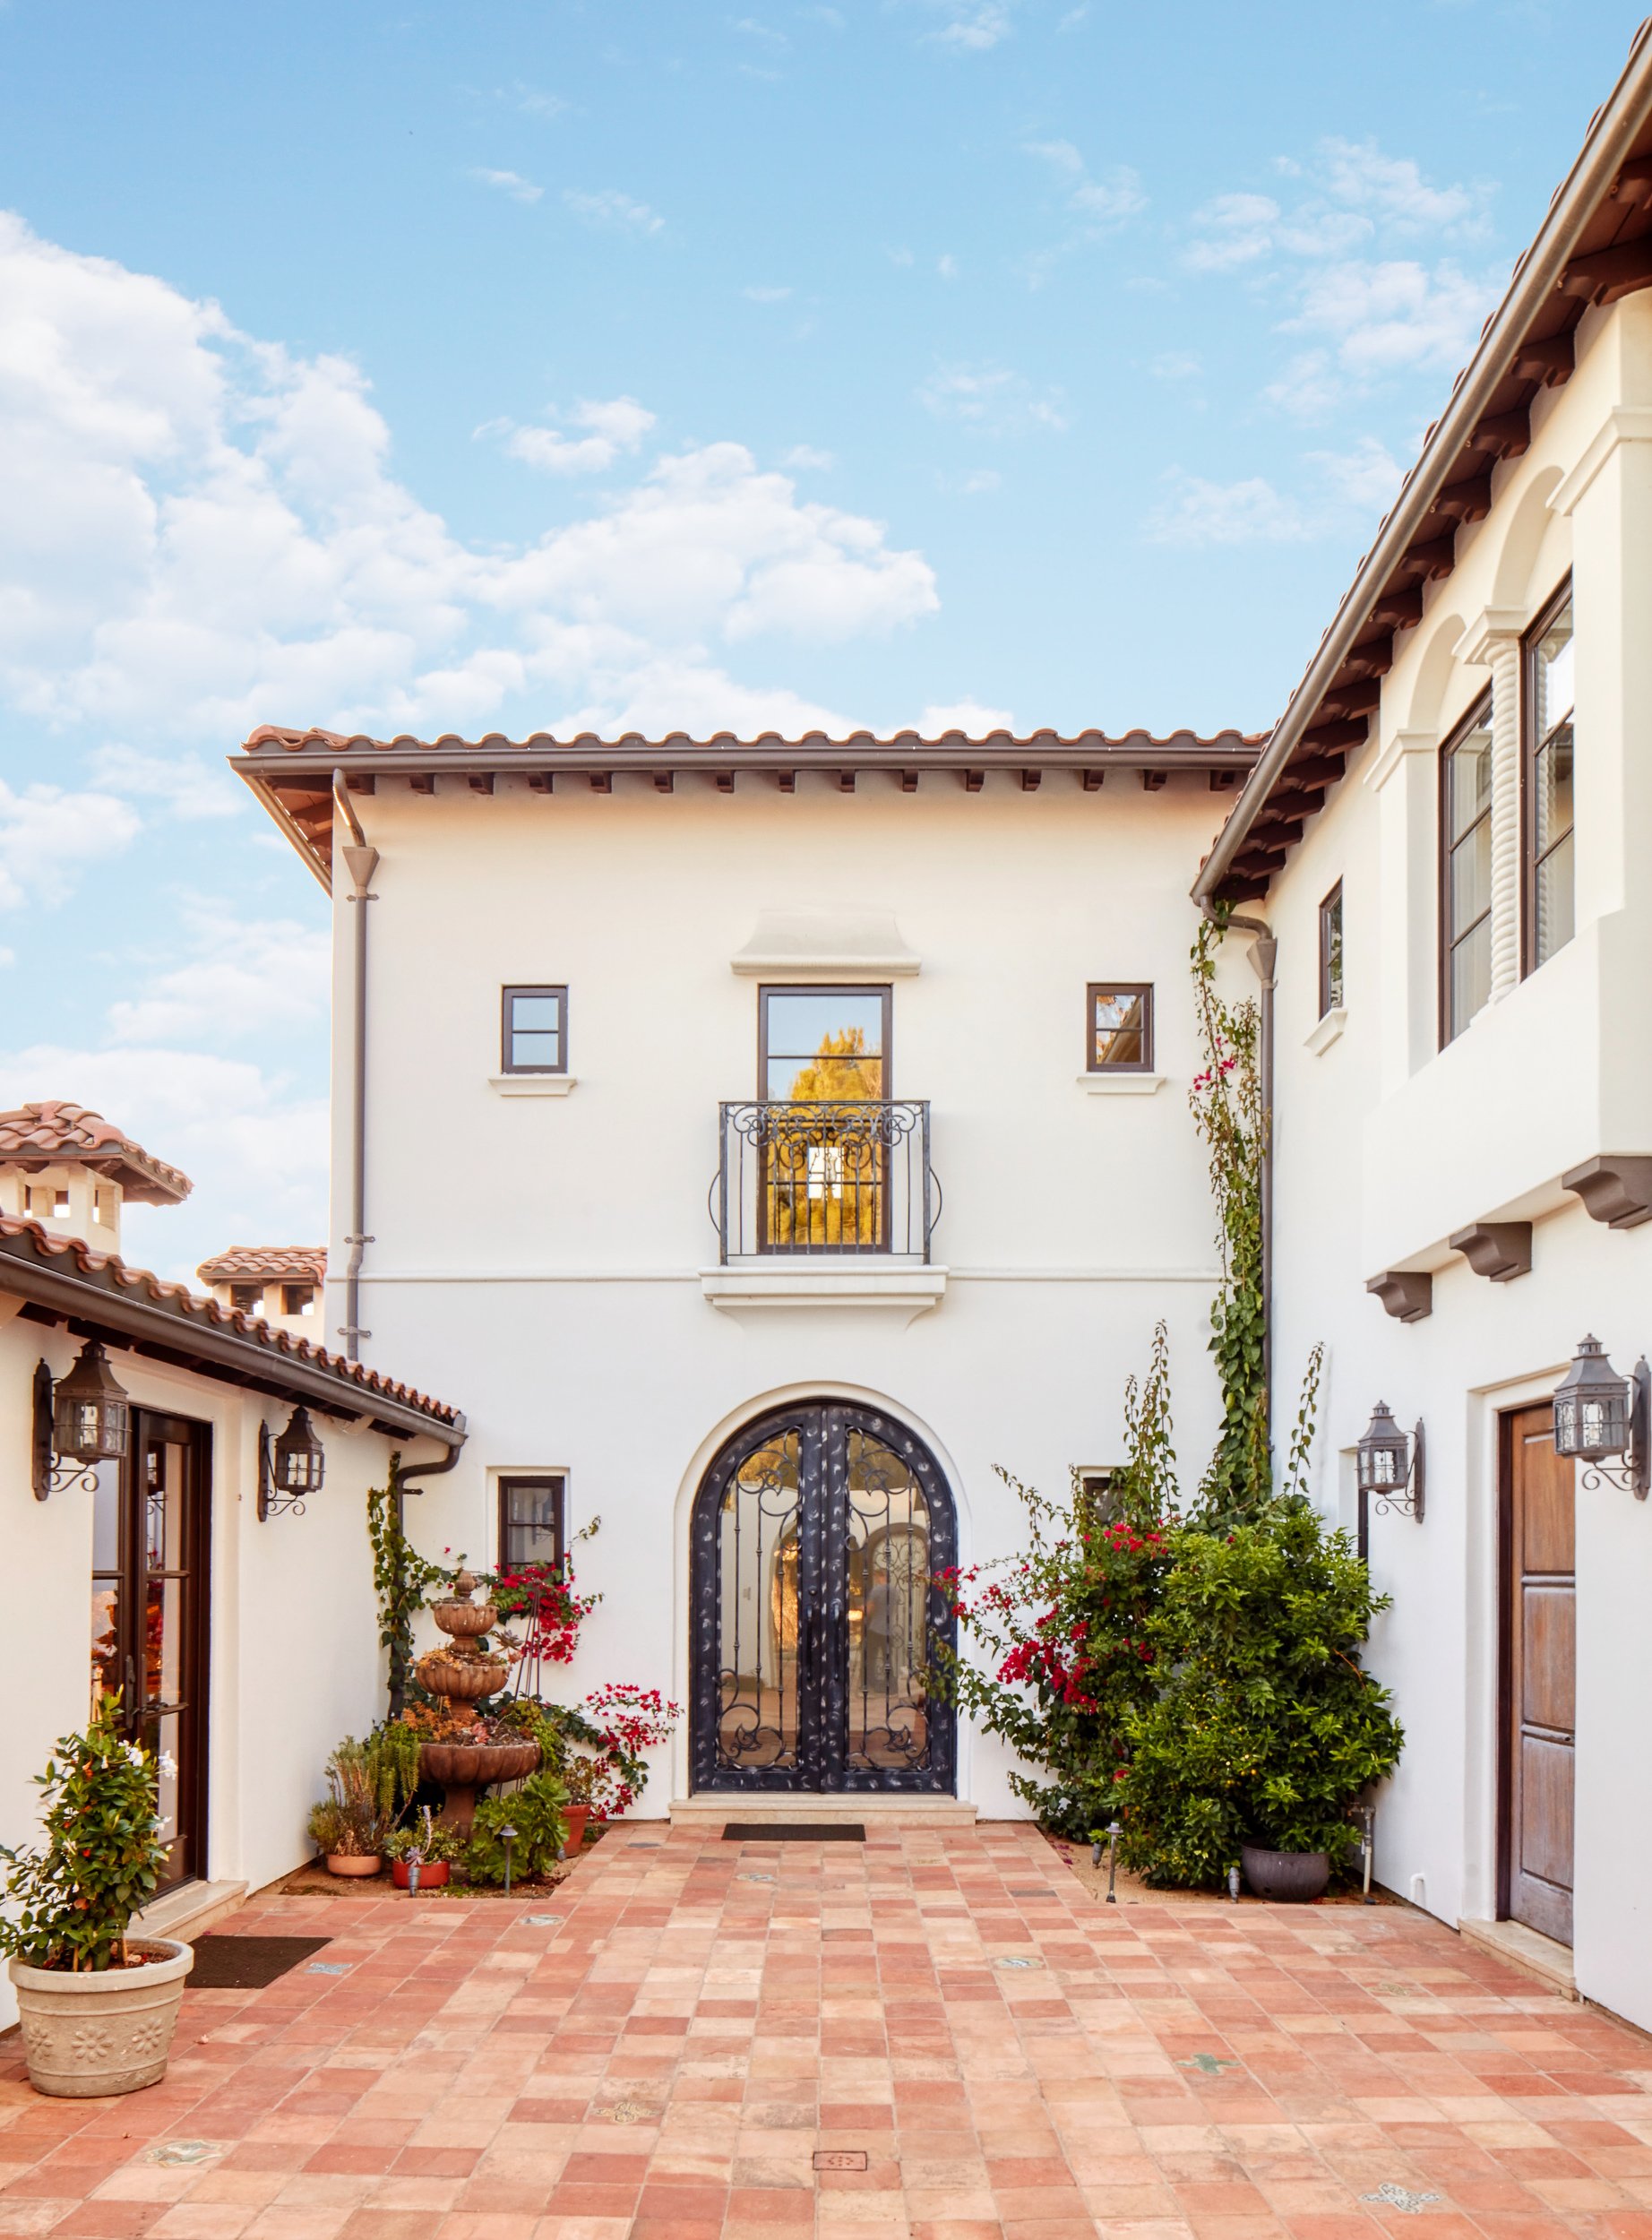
<point>268,1263</point>
<point>27,1240</point>
<point>56,1132</point>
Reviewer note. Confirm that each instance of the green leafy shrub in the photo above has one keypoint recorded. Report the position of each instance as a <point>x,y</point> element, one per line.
<point>103,1857</point>
<point>535,1811</point>
<point>348,1823</point>
<point>426,1841</point>
<point>1267,1728</point>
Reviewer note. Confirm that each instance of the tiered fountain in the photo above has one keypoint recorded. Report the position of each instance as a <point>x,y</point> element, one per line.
<point>461,1672</point>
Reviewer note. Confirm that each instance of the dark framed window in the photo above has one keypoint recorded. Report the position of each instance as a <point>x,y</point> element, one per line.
<point>1550,912</point>
<point>297,1298</point>
<point>536,1030</point>
<point>1465,871</point>
<point>1095,1500</point>
<point>823,1044</point>
<point>247,1298</point>
<point>1330,951</point>
<point>531,1521</point>
<point>1118,1035</point>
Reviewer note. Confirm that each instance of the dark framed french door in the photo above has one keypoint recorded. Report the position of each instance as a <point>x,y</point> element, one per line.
<point>152,1548</point>
<point>816,1533</point>
<point>1538,1690</point>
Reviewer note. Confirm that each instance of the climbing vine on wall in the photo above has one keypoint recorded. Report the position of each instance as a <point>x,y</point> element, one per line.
<point>1229,1112</point>
<point>401,1579</point>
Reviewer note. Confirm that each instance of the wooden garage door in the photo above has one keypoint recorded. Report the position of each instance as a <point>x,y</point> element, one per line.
<point>1539,1675</point>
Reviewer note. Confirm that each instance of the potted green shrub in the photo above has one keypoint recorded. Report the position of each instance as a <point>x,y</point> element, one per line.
<point>534,1814</point>
<point>350,1824</point>
<point>98,2006</point>
<point>1267,1729</point>
<point>427,1847</point>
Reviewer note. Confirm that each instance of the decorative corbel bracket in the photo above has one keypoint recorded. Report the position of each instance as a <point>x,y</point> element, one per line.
<point>1615,1188</point>
<point>1498,1250</point>
<point>1408,1293</point>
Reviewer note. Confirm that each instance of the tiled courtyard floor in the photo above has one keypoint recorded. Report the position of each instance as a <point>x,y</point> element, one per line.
<point>667,2055</point>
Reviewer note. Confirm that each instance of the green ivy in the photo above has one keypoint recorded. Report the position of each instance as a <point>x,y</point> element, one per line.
<point>401,1579</point>
<point>103,1854</point>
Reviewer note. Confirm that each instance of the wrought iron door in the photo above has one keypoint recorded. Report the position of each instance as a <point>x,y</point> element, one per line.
<point>816,1536</point>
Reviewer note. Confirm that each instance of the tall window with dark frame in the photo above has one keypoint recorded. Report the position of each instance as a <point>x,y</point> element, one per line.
<point>1550,915</point>
<point>535,1031</point>
<point>1119,1027</point>
<point>531,1521</point>
<point>821,1052</point>
<point>1330,951</point>
<point>1466,872</point>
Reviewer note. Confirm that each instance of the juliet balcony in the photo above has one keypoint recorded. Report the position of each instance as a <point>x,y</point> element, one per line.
<point>825,1201</point>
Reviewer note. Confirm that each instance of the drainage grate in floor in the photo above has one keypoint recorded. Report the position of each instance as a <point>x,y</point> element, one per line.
<point>794,1832</point>
<point>247,1963</point>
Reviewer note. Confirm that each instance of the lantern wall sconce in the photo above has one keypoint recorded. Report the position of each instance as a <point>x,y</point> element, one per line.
<point>1392,1465</point>
<point>1601,1419</point>
<point>80,1420</point>
<point>290,1466</point>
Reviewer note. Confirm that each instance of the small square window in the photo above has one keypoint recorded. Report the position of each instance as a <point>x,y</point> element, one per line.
<point>531,1521</point>
<point>1120,1033</point>
<point>1095,1501</point>
<point>297,1298</point>
<point>1330,951</point>
<point>536,1030</point>
<point>247,1298</point>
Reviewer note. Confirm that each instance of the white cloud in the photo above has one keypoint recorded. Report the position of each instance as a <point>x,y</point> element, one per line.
<point>191,788</point>
<point>973,483</point>
<point>1380,317</point>
<point>510,183</point>
<point>766,295</point>
<point>7,957</point>
<point>532,102</point>
<point>614,427</point>
<point>992,401</point>
<point>899,257</point>
<point>1394,189</point>
<point>807,457</point>
<point>1099,206</point>
<point>972,27</point>
<point>48,837</point>
<point>1199,513</point>
<point>1176,366</point>
<point>1367,477</point>
<point>765,34</point>
<point>613,212</point>
<point>245,976</point>
<point>198,532</point>
<point>947,267</point>
<point>967,716</point>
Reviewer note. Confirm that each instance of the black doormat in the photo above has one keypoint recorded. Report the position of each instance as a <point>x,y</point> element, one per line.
<point>247,1963</point>
<point>794,1832</point>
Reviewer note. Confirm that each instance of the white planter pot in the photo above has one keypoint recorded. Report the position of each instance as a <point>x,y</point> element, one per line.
<point>86,2037</point>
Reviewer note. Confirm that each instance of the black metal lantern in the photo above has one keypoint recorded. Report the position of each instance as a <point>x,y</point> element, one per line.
<point>289,1467</point>
<point>1390,1464</point>
<point>1600,1415</point>
<point>82,1419</point>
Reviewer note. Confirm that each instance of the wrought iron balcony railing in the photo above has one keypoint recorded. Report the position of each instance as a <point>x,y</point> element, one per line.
<point>825,1178</point>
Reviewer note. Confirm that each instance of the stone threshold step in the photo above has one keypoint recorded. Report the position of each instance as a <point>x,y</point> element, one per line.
<point>1525,1948</point>
<point>883,1812</point>
<point>190,1910</point>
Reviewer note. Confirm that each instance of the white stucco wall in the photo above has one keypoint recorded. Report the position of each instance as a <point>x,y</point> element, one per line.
<point>541,1258</point>
<point>1386,1145</point>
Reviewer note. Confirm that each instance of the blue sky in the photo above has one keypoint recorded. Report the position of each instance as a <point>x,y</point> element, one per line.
<point>519,366</point>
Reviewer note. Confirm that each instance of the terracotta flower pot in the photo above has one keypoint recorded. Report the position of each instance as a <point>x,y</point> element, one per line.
<point>433,1873</point>
<point>1289,1877</point>
<point>578,1817</point>
<point>353,1862</point>
<point>462,1679</point>
<point>88,2037</point>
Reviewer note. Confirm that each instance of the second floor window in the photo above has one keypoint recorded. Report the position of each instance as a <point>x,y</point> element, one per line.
<point>1120,1033</point>
<point>1465,871</point>
<point>822,1044</point>
<point>1330,951</point>
<point>536,1030</point>
<point>1550,910</point>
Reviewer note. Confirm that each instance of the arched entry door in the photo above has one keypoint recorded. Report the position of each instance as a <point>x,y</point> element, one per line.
<point>815,1534</point>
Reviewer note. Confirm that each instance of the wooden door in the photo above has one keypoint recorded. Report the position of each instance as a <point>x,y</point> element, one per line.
<point>1539,1675</point>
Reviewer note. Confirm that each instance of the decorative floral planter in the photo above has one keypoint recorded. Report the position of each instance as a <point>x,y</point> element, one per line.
<point>578,1817</point>
<point>432,1876</point>
<point>89,2037</point>
<point>1289,1877</point>
<point>353,1862</point>
<point>462,1679</point>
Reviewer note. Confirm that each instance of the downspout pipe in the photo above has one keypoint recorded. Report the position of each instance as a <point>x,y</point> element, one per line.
<point>438,1468</point>
<point>362,861</point>
<point>1264,957</point>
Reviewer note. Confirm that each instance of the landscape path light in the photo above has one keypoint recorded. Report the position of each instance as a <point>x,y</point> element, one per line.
<point>1600,1420</point>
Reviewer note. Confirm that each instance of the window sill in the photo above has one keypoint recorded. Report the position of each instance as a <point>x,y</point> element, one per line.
<point>1328,1030</point>
<point>906,1287</point>
<point>1121,1084</point>
<point>532,1084</point>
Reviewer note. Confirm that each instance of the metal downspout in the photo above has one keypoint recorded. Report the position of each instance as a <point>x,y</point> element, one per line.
<point>1264,957</point>
<point>362,861</point>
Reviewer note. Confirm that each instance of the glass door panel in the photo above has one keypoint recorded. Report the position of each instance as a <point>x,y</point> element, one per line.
<point>757,1616</point>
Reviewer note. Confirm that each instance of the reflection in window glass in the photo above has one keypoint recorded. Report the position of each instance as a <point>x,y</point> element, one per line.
<point>824,1043</point>
<point>1121,1029</point>
<point>530,1521</point>
<point>536,1030</point>
<point>1467,868</point>
<point>1330,951</point>
<point>1548,676</point>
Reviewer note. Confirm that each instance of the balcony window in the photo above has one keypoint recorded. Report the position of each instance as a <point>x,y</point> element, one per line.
<point>816,1043</point>
<point>1331,951</point>
<point>536,1030</point>
<point>1119,1037</point>
<point>1550,903</point>
<point>1466,872</point>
